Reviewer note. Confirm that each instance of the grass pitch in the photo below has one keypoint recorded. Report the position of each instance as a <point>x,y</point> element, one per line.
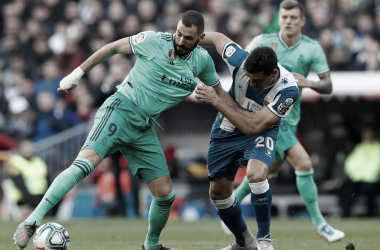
<point>123,234</point>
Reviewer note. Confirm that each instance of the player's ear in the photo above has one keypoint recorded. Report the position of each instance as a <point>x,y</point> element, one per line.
<point>274,72</point>
<point>202,36</point>
<point>303,20</point>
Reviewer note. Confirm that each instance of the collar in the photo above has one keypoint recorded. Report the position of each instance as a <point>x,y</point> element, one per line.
<point>284,43</point>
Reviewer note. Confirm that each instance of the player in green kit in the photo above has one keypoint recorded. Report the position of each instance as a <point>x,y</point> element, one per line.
<point>163,75</point>
<point>297,53</point>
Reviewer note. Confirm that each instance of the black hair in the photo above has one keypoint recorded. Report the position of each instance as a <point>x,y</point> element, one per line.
<point>192,17</point>
<point>261,59</point>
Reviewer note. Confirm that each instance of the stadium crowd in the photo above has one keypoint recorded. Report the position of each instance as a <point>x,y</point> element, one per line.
<point>44,40</point>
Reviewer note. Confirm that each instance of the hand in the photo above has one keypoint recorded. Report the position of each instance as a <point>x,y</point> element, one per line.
<point>301,80</point>
<point>206,94</point>
<point>70,82</point>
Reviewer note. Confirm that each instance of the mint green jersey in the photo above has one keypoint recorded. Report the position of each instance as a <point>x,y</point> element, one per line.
<point>160,79</point>
<point>299,58</point>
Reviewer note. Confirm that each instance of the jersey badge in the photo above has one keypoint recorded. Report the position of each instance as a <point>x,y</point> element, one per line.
<point>139,38</point>
<point>274,46</point>
<point>284,81</point>
<point>195,71</point>
<point>301,59</point>
<point>230,51</point>
<point>283,107</point>
<point>172,56</point>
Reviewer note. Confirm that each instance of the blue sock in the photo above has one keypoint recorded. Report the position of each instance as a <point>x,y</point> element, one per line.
<point>230,212</point>
<point>262,204</point>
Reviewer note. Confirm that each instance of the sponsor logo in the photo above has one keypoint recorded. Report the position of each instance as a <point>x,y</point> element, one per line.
<point>139,38</point>
<point>283,107</point>
<point>230,51</point>
<point>185,83</point>
<point>284,81</point>
<point>262,199</point>
<point>274,46</point>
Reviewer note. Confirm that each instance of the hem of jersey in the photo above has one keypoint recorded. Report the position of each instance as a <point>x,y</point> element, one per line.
<point>130,44</point>
<point>225,46</point>
<point>270,109</point>
<point>323,71</point>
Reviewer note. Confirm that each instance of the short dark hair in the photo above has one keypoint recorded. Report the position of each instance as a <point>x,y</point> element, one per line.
<point>192,17</point>
<point>261,59</point>
<point>291,4</point>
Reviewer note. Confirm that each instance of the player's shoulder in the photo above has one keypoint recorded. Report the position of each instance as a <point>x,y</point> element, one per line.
<point>268,36</point>
<point>166,37</point>
<point>310,41</point>
<point>287,79</point>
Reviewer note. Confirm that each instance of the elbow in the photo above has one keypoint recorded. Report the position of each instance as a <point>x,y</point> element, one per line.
<point>251,132</point>
<point>330,89</point>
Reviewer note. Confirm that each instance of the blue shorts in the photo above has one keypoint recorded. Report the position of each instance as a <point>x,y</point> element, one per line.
<point>226,148</point>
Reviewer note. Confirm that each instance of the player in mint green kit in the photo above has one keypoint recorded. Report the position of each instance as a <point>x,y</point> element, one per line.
<point>163,75</point>
<point>297,53</point>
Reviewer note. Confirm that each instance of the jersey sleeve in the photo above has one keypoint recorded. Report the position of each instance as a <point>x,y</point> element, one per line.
<point>284,101</point>
<point>233,55</point>
<point>145,43</point>
<point>208,75</point>
<point>254,43</point>
<point>320,63</point>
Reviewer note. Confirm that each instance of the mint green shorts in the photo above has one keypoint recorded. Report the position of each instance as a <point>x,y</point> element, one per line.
<point>286,139</point>
<point>120,125</point>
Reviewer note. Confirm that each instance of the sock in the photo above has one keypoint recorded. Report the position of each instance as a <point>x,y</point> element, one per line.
<point>158,216</point>
<point>230,212</point>
<point>242,190</point>
<point>261,200</point>
<point>61,185</point>
<point>309,192</point>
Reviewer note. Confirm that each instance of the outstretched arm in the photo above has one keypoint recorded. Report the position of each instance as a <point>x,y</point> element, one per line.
<point>247,122</point>
<point>217,39</point>
<point>324,86</point>
<point>70,82</point>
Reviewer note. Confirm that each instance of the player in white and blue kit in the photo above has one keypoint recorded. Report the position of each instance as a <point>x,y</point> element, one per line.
<point>264,92</point>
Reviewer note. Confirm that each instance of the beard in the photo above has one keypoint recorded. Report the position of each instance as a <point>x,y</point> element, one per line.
<point>184,48</point>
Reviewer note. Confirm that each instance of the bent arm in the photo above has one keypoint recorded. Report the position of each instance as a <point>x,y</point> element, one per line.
<point>217,39</point>
<point>226,97</point>
<point>324,86</point>
<point>247,122</point>
<point>121,46</point>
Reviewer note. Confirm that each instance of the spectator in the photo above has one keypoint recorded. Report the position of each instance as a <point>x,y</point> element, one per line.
<point>50,79</point>
<point>362,168</point>
<point>20,122</point>
<point>29,175</point>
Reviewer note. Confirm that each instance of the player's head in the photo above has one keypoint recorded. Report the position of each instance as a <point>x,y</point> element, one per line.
<point>291,18</point>
<point>261,67</point>
<point>189,32</point>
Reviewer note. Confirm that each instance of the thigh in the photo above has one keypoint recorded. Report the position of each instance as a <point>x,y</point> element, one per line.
<point>145,157</point>
<point>286,139</point>
<point>222,158</point>
<point>299,158</point>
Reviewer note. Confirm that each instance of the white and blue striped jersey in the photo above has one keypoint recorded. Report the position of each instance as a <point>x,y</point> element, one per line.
<point>278,97</point>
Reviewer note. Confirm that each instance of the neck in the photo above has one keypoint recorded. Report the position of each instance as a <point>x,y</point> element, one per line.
<point>290,41</point>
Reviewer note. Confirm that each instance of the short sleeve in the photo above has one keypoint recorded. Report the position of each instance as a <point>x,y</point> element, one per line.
<point>320,63</point>
<point>283,103</point>
<point>254,43</point>
<point>145,43</point>
<point>233,55</point>
<point>208,75</point>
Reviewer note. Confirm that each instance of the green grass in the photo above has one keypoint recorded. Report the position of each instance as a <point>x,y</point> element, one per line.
<point>126,234</point>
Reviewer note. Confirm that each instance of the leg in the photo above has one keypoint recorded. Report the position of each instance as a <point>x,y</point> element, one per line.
<point>300,160</point>
<point>261,196</point>
<point>230,212</point>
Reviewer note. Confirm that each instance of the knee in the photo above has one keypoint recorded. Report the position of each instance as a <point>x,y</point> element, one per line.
<point>303,165</point>
<point>256,177</point>
<point>259,187</point>
<point>90,155</point>
<point>219,193</point>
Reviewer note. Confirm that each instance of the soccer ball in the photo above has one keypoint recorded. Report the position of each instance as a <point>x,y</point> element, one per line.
<point>51,236</point>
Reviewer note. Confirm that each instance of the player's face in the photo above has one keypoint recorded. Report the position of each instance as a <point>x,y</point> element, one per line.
<point>291,22</point>
<point>186,39</point>
<point>260,81</point>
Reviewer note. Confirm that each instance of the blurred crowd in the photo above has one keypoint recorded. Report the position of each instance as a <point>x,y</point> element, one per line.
<point>44,40</point>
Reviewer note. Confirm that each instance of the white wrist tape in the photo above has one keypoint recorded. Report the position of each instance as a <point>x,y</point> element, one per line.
<point>77,75</point>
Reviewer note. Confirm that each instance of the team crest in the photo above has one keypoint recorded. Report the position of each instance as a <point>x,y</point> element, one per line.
<point>274,46</point>
<point>283,107</point>
<point>195,71</point>
<point>172,55</point>
<point>230,51</point>
<point>284,81</point>
<point>139,38</point>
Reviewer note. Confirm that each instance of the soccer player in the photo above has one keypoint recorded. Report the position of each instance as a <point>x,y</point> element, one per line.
<point>163,75</point>
<point>264,92</point>
<point>297,53</point>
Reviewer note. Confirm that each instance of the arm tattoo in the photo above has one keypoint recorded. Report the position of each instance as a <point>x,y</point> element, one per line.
<point>324,86</point>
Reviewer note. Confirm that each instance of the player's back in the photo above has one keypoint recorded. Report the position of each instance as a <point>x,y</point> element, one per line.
<point>160,79</point>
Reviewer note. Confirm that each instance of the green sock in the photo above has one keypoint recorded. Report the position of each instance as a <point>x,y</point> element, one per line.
<point>61,185</point>
<point>309,192</point>
<point>242,190</point>
<point>158,216</point>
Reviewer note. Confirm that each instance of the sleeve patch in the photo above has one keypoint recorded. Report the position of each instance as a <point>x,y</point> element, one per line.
<point>139,38</point>
<point>230,51</point>
<point>283,107</point>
